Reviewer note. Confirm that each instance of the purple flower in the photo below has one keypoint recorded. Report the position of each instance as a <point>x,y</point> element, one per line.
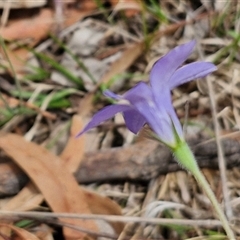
<point>144,104</point>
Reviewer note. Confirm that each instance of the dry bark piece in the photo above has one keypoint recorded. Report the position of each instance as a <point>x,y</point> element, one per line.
<point>139,162</point>
<point>12,179</point>
<point>148,159</point>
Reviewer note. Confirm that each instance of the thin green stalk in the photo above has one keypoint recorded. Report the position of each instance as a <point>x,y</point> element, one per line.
<point>57,66</point>
<point>145,29</point>
<point>204,184</point>
<point>186,158</point>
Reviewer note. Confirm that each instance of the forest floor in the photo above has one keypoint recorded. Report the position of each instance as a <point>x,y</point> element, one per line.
<point>56,59</point>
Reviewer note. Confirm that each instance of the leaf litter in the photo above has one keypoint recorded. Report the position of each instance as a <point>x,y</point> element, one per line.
<point>118,51</point>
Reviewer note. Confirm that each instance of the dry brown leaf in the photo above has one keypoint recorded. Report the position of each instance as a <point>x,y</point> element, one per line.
<point>74,151</point>
<point>35,28</point>
<point>86,106</point>
<point>74,15</point>
<point>88,5</point>
<point>130,7</point>
<point>22,233</point>
<point>124,62</point>
<point>72,156</point>
<point>103,205</point>
<point>57,185</point>
<point>27,199</point>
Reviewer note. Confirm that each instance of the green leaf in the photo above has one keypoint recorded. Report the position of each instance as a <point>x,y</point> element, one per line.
<point>24,223</point>
<point>38,74</point>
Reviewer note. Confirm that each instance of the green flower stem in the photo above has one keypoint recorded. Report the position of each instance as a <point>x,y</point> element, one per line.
<point>186,158</point>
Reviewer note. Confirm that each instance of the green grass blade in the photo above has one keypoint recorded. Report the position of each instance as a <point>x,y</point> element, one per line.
<point>74,57</point>
<point>54,64</point>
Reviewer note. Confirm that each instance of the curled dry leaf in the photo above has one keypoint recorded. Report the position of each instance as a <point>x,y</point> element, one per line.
<point>57,185</point>
<point>50,175</point>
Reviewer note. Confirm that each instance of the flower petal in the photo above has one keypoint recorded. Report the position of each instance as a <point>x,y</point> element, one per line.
<point>111,94</point>
<point>191,71</point>
<point>158,120</point>
<point>103,115</point>
<point>164,68</point>
<point>140,91</point>
<point>155,113</point>
<point>167,102</point>
<point>134,120</point>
